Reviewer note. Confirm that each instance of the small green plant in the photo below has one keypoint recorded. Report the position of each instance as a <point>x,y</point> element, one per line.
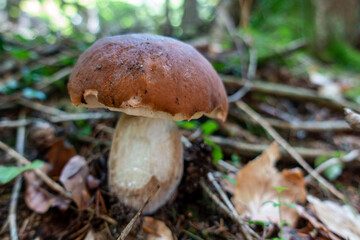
<point>217,153</point>
<point>280,203</point>
<point>333,171</point>
<point>8,173</point>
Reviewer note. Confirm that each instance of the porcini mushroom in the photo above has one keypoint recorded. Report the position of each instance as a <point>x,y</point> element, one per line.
<point>153,80</point>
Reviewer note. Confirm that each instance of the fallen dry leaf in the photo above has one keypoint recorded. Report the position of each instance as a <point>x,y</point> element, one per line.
<point>39,199</point>
<point>338,219</point>
<point>156,230</point>
<point>255,186</point>
<point>58,155</point>
<point>74,177</point>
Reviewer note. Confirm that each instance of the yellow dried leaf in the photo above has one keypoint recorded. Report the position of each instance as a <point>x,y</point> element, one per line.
<point>255,186</point>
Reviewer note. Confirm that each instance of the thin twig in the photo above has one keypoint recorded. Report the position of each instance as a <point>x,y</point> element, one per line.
<point>130,225</point>
<point>53,78</point>
<point>240,93</point>
<point>289,92</point>
<point>227,211</point>
<point>228,166</point>
<point>40,107</point>
<point>244,226</point>
<point>310,126</point>
<point>251,149</point>
<point>51,183</point>
<point>20,140</point>
<point>83,116</point>
<point>62,117</point>
<point>15,123</point>
<point>222,194</point>
<point>289,149</point>
<point>102,216</point>
<point>354,154</point>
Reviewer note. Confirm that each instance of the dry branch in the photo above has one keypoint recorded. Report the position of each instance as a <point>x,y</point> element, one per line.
<point>20,140</point>
<point>15,123</point>
<point>310,126</point>
<point>83,116</point>
<point>289,92</point>
<point>255,149</point>
<point>228,212</point>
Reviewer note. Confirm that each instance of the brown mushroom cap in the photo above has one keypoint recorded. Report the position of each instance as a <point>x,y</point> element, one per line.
<point>148,75</point>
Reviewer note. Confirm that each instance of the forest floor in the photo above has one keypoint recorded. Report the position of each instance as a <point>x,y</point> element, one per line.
<point>295,123</point>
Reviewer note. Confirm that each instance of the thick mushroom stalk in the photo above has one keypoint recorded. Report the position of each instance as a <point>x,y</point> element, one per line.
<point>145,151</point>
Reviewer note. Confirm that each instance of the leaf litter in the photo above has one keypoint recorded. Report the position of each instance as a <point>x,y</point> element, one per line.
<point>255,189</point>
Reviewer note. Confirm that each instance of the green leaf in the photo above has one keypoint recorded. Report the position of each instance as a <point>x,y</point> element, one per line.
<point>354,94</point>
<point>332,172</point>
<point>188,124</point>
<point>22,54</point>
<point>85,131</point>
<point>216,152</point>
<point>230,179</point>
<point>280,189</point>
<point>272,202</point>
<point>260,223</point>
<point>209,127</point>
<point>289,205</point>
<point>9,173</point>
<point>236,160</point>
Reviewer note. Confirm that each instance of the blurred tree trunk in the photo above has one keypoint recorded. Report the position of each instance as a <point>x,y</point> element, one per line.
<point>167,27</point>
<point>245,6</point>
<point>13,6</point>
<point>336,19</point>
<point>190,21</point>
<point>219,32</point>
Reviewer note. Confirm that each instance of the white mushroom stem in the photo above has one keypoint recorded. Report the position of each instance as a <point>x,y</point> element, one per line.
<point>144,152</point>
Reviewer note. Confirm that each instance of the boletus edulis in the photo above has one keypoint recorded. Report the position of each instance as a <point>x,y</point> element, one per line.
<point>154,81</point>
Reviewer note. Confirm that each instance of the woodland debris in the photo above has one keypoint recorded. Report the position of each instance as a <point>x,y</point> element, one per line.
<point>341,220</point>
<point>250,149</point>
<point>310,126</point>
<point>74,176</point>
<point>315,224</point>
<point>255,187</point>
<point>51,183</point>
<point>289,92</point>
<point>38,198</point>
<point>60,152</point>
<point>282,142</point>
